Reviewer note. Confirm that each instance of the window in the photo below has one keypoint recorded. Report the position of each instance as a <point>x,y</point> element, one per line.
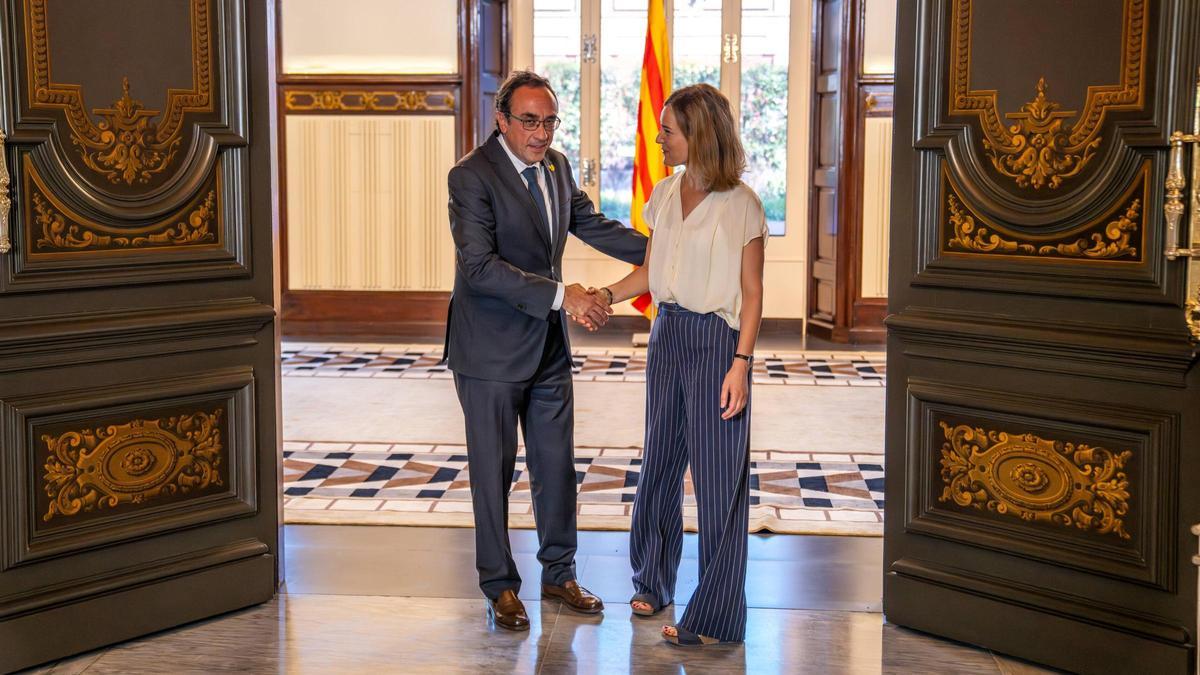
<point>747,40</point>
<point>764,85</point>
<point>556,56</point>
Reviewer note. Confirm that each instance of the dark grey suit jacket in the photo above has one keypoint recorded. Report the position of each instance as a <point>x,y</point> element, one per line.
<point>507,269</point>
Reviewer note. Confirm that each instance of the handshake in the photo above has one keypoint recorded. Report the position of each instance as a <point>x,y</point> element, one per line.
<point>588,307</point>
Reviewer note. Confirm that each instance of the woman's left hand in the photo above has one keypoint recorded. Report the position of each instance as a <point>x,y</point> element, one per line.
<point>735,390</point>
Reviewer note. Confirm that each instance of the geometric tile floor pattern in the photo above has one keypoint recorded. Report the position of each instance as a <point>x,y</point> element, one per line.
<point>619,365</point>
<point>406,484</point>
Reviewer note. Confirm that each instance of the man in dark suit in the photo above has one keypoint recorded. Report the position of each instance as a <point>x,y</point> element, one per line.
<point>512,202</point>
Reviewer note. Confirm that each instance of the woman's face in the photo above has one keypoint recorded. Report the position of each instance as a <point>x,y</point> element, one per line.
<point>670,137</point>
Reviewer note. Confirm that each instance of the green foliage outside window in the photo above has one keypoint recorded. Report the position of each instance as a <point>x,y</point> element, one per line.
<point>764,127</point>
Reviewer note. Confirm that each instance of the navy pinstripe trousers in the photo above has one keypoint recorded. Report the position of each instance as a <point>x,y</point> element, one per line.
<point>687,359</point>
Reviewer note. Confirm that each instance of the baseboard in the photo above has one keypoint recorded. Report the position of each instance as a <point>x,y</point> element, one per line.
<point>365,315</point>
<point>1046,632</point>
<point>78,627</point>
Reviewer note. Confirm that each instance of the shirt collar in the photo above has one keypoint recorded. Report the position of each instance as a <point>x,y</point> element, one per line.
<point>519,165</point>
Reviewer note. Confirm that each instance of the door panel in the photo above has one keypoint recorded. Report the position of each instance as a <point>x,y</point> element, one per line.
<point>1046,154</point>
<point>131,173</point>
<point>1041,371</point>
<point>138,367</point>
<point>128,460</point>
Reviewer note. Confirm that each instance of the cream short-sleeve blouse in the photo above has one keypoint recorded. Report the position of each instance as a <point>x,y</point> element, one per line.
<point>697,262</point>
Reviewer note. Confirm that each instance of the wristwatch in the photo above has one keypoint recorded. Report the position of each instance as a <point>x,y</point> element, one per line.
<point>607,292</point>
<point>748,358</point>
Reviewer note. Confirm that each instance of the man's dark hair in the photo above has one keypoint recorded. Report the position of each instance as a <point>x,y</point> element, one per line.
<point>516,80</point>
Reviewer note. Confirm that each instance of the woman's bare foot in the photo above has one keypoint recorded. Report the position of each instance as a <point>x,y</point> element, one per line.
<point>669,631</point>
<point>642,606</point>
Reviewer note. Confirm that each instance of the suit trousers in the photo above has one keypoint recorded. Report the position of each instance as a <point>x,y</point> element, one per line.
<point>688,357</point>
<point>544,407</point>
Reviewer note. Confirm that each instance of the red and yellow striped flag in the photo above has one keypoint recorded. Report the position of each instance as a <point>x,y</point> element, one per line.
<point>648,165</point>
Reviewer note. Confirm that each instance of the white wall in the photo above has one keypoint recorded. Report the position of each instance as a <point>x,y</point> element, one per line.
<point>370,36</point>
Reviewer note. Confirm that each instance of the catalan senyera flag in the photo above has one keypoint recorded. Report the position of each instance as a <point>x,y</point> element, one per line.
<point>648,165</point>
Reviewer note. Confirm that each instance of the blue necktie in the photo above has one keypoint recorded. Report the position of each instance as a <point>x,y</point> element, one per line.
<point>530,176</point>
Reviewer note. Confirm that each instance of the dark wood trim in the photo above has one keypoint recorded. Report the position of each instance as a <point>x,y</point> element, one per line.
<point>854,318</point>
<point>467,27</point>
<point>365,313</point>
<point>814,216</point>
<point>777,327</point>
<point>280,155</point>
<point>849,208</point>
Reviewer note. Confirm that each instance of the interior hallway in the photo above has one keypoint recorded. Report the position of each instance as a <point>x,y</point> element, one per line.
<point>354,604</point>
<point>361,599</point>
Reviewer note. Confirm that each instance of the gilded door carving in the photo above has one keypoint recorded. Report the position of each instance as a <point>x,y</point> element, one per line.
<point>1042,385</point>
<point>123,161</point>
<point>137,333</point>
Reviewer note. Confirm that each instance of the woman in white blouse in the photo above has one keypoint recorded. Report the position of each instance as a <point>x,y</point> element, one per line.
<point>704,269</point>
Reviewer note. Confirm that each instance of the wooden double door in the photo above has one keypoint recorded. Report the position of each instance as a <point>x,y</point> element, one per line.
<point>138,367</point>
<point>1043,403</point>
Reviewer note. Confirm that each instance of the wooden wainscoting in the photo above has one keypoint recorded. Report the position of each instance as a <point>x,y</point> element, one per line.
<point>365,242</point>
<point>366,314</point>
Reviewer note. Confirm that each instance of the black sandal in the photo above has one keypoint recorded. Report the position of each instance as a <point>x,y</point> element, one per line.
<point>686,638</point>
<point>649,600</point>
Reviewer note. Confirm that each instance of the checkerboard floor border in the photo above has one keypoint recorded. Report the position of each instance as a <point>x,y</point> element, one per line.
<point>426,484</point>
<point>861,369</point>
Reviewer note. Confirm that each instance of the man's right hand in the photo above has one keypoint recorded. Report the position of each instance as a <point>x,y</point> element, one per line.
<point>589,309</point>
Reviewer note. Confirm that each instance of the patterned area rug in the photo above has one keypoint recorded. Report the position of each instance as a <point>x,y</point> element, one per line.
<point>399,484</point>
<point>619,365</point>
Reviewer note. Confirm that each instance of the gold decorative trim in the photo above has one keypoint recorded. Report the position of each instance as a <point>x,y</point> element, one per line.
<point>127,146</point>
<point>1115,237</point>
<point>132,463</point>
<point>1033,156</point>
<point>128,149</point>
<point>411,100</point>
<point>1192,313</point>
<point>51,227</point>
<point>970,237</point>
<point>1037,151</point>
<point>1036,479</point>
<point>1114,243</point>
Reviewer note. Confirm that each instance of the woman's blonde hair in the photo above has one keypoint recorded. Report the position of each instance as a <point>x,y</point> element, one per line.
<point>716,159</point>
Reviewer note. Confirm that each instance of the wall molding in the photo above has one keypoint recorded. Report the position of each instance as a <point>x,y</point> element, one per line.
<point>1148,355</point>
<point>91,337</point>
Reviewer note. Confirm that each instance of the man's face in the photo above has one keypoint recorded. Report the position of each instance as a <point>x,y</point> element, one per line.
<point>530,103</point>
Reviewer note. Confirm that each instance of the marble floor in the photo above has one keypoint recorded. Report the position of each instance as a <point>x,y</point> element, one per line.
<point>352,606</point>
<point>404,600</point>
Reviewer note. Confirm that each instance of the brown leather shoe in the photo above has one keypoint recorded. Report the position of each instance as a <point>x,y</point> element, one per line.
<point>508,611</point>
<point>574,596</point>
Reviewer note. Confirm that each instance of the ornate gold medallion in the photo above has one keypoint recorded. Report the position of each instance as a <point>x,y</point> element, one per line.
<point>1035,479</point>
<point>130,463</point>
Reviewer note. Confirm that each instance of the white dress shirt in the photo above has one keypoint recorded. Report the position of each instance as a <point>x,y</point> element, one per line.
<point>696,262</point>
<point>541,179</point>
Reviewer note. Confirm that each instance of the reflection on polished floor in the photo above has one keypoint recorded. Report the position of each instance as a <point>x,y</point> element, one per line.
<point>404,600</point>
